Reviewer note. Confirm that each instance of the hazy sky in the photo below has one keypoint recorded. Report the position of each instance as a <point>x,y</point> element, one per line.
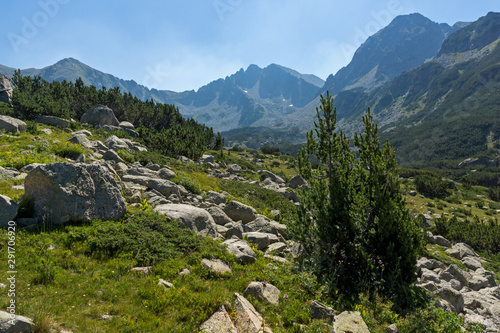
<point>184,44</point>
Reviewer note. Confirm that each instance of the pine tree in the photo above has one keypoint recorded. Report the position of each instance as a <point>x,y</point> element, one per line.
<point>354,227</point>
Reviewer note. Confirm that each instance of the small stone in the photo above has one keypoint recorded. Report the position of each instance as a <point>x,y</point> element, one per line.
<point>216,265</point>
<point>144,270</point>
<point>165,284</point>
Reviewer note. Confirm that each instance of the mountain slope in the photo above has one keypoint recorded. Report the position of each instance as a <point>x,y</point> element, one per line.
<point>405,43</point>
<point>445,109</point>
<point>239,100</point>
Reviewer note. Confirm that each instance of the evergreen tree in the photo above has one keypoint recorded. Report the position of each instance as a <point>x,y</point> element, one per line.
<point>354,227</point>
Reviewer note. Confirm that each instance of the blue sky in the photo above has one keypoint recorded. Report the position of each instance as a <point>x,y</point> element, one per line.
<point>181,45</point>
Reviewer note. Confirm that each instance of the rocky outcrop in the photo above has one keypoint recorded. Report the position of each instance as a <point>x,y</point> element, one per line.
<point>196,219</point>
<point>6,90</point>
<point>64,192</point>
<point>473,293</point>
<point>100,115</point>
<point>12,125</point>
<point>15,324</point>
<point>8,209</point>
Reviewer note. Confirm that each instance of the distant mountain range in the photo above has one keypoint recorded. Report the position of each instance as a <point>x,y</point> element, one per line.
<point>433,88</point>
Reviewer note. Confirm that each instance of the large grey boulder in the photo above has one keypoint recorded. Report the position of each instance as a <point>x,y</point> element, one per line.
<point>216,197</point>
<point>100,115</point>
<point>10,323</point>
<point>241,250</point>
<point>453,297</point>
<point>296,182</point>
<point>461,250</point>
<point>12,125</point>
<point>263,224</point>
<point>240,212</point>
<point>196,219</point>
<point>6,90</point>
<point>350,322</point>
<point>219,216</point>
<point>64,192</point>
<point>8,209</point>
<point>263,292</point>
<point>53,121</point>
<point>219,322</point>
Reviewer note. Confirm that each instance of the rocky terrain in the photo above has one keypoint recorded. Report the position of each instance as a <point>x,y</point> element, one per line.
<point>102,185</point>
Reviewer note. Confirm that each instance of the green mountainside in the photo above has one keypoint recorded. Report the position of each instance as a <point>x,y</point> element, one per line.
<point>431,88</point>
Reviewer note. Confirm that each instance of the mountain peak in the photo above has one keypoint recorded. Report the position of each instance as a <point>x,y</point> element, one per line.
<point>407,42</point>
<point>473,36</point>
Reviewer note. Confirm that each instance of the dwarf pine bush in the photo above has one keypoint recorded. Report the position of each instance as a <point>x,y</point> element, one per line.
<point>354,227</point>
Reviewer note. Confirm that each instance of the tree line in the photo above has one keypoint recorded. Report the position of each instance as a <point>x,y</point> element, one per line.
<point>161,126</point>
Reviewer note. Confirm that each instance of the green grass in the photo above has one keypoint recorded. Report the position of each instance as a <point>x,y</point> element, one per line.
<point>82,272</point>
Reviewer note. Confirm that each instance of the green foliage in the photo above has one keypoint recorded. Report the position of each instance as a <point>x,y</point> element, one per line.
<point>432,186</point>
<point>269,150</point>
<point>433,320</point>
<point>161,126</point>
<point>68,150</point>
<point>259,198</point>
<point>26,207</point>
<point>494,193</point>
<point>480,235</point>
<point>6,109</point>
<point>353,223</point>
<point>190,185</point>
<point>148,238</point>
<point>32,127</point>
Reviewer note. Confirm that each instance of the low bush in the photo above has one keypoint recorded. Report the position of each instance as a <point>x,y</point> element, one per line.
<point>480,235</point>
<point>148,238</point>
<point>432,186</point>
